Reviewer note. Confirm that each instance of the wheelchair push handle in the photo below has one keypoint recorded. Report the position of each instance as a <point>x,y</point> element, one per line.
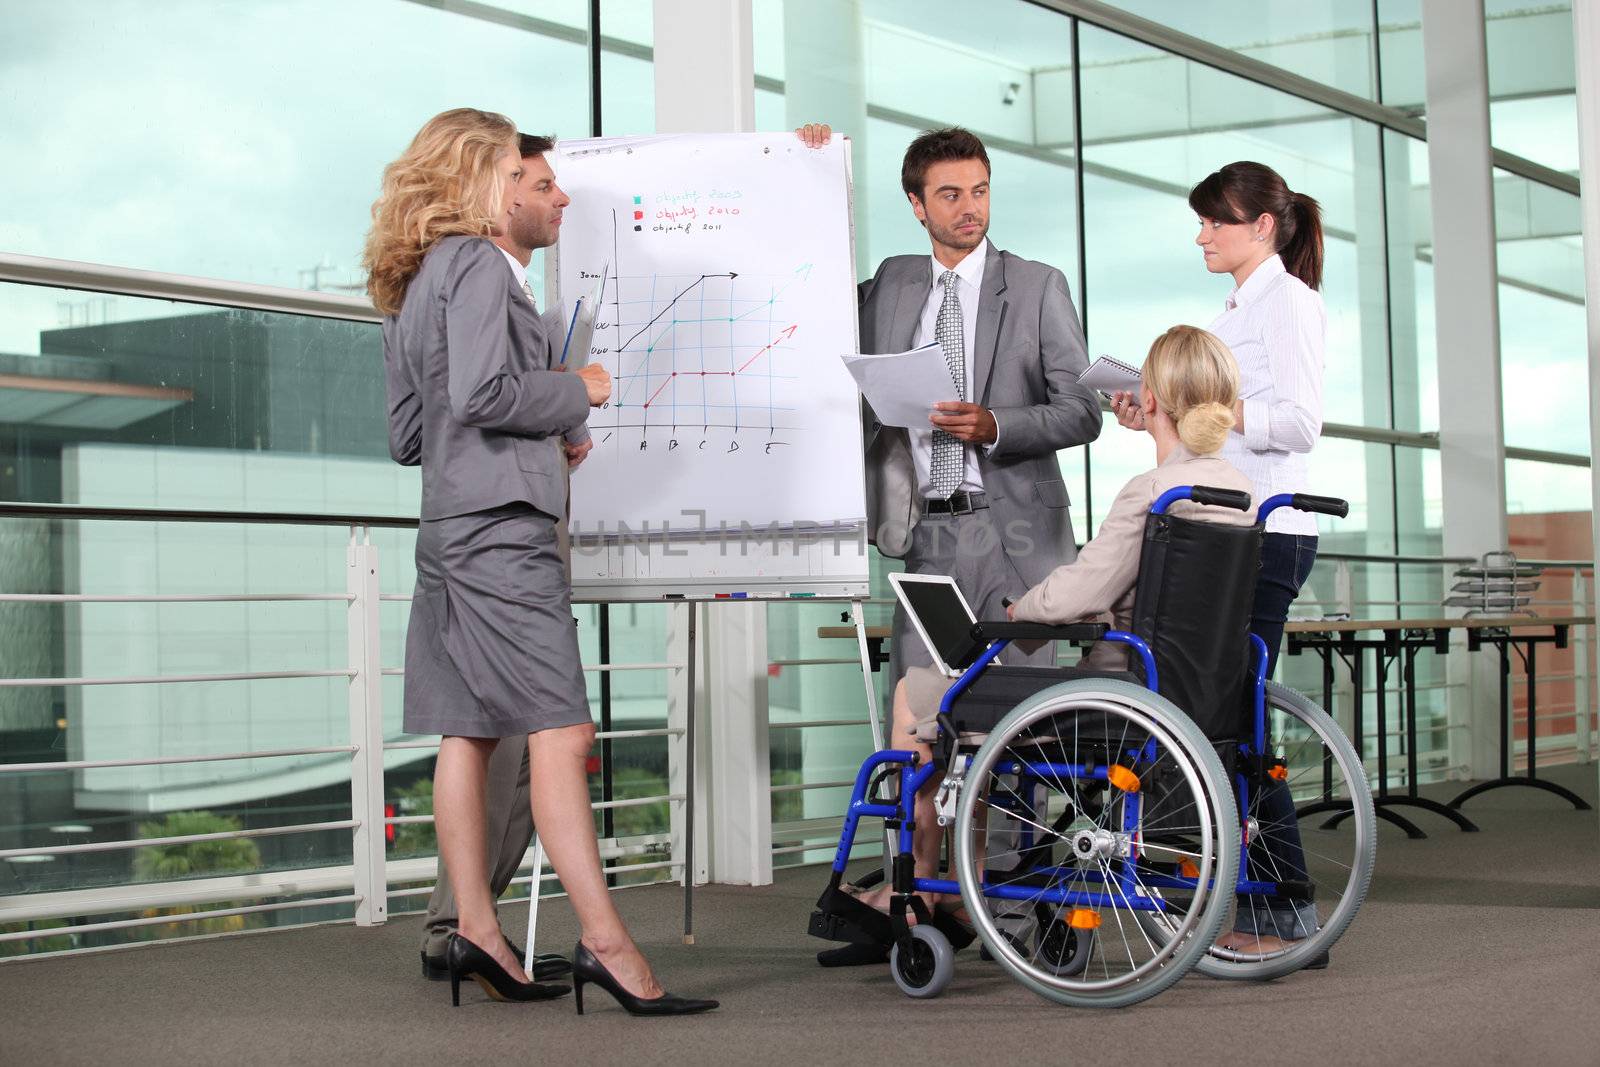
<point>1201,494</point>
<point>1322,505</point>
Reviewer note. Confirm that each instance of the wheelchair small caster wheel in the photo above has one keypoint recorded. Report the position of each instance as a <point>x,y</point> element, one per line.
<point>927,969</point>
<point>1064,950</point>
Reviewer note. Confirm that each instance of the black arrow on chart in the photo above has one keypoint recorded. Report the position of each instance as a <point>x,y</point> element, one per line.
<point>686,291</point>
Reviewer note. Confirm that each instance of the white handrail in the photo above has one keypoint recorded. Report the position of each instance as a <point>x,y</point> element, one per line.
<point>179,839</point>
<point>158,761</point>
<point>168,679</point>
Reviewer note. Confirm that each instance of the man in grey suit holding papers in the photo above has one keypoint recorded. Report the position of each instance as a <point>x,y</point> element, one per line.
<point>977,494</point>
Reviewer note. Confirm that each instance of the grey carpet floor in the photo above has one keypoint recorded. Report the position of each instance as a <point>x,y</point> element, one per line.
<point>1473,949</point>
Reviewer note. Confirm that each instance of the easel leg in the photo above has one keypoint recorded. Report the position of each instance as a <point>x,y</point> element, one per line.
<point>533,903</point>
<point>688,791</point>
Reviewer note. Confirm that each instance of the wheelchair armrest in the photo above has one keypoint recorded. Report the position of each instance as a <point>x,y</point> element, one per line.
<point>984,632</point>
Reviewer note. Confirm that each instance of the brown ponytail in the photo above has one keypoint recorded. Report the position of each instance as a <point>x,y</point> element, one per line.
<point>1242,192</point>
<point>1301,248</point>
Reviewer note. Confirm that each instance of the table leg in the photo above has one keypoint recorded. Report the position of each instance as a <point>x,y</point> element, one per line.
<point>1507,779</point>
<point>1380,661</point>
<point>1411,798</point>
<point>1327,705</point>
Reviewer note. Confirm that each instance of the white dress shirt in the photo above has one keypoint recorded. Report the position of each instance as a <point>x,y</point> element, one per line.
<point>969,285</point>
<point>521,274</point>
<point>1277,328</point>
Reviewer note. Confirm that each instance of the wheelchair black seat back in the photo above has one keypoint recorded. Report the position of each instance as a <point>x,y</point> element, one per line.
<point>1192,605</point>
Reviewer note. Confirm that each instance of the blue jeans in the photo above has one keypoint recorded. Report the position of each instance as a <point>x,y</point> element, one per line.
<point>1277,855</point>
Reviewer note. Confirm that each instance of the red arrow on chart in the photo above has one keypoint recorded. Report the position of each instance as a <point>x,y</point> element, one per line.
<point>784,336</point>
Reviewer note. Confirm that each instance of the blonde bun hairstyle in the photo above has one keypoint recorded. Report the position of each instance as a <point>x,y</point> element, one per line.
<point>1195,379</point>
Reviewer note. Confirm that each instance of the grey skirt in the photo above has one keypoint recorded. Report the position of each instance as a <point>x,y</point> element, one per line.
<point>492,649</point>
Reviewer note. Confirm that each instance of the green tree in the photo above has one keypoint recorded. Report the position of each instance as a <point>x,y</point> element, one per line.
<point>415,838</point>
<point>38,944</point>
<point>187,859</point>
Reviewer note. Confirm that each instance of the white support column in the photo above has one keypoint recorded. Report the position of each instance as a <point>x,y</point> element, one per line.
<point>704,67</point>
<point>1586,40</point>
<point>740,782</point>
<point>366,729</point>
<point>1466,314</point>
<point>705,83</point>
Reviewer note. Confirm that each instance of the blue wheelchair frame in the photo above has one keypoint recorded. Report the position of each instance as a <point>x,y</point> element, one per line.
<point>1125,894</point>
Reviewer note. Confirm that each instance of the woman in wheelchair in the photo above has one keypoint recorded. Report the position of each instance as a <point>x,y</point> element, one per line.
<point>1190,384</point>
<point>1106,822</point>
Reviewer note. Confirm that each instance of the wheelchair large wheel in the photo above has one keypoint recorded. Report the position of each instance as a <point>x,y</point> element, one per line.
<point>1091,803</point>
<point>1320,763</point>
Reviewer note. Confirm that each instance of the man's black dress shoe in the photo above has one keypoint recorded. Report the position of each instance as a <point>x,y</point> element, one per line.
<point>546,965</point>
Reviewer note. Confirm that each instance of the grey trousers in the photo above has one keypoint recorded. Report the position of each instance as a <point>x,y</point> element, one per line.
<point>509,824</point>
<point>967,548</point>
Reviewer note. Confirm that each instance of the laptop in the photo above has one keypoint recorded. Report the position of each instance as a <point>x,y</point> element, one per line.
<point>941,616</point>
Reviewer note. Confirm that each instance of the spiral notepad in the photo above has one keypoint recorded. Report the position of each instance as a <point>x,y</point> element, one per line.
<point>1110,376</point>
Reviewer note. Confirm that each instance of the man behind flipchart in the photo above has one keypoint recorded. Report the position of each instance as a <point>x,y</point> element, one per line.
<point>977,494</point>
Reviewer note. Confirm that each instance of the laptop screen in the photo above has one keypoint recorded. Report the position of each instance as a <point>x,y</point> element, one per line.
<point>944,617</point>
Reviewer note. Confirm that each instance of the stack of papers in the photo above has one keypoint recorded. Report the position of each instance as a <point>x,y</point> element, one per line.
<point>902,387</point>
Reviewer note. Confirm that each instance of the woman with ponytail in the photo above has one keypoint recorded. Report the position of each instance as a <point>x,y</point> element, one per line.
<point>1269,238</point>
<point>1191,387</point>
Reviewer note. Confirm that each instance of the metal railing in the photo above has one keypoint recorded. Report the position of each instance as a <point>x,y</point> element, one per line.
<point>366,882</point>
<point>1435,763</point>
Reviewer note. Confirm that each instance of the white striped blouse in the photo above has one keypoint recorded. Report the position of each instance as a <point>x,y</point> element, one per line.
<point>1277,328</point>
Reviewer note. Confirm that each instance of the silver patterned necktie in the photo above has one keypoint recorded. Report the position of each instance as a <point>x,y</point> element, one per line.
<point>948,458</point>
<point>526,288</point>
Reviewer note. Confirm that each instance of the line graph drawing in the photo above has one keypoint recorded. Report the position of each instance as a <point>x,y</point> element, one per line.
<point>696,353</point>
<point>718,268</point>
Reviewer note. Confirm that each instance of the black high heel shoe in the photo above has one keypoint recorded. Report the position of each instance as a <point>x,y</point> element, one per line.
<point>585,968</point>
<point>467,960</point>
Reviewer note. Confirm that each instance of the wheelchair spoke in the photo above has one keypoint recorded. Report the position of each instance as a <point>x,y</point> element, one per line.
<point>1116,913</point>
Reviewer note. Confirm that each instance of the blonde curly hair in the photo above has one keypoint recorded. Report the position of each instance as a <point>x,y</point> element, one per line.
<point>445,183</point>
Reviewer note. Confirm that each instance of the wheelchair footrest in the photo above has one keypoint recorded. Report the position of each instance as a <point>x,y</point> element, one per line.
<point>841,917</point>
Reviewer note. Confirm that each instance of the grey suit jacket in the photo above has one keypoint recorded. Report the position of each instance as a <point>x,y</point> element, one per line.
<point>471,396</point>
<point>1027,356</point>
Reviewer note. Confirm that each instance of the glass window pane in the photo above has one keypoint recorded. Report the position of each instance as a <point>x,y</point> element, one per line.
<point>1414,370</point>
<point>1008,79</point>
<point>1329,41</point>
<point>1543,328</point>
<point>627,69</point>
<point>1400,55</point>
<point>149,403</point>
<point>1532,103</point>
<point>1141,156</point>
<point>223,162</point>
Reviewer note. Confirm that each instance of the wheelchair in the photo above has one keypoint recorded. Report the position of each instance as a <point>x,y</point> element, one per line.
<point>1109,825</point>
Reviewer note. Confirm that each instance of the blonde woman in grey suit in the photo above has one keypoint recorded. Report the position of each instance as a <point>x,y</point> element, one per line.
<point>491,649</point>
